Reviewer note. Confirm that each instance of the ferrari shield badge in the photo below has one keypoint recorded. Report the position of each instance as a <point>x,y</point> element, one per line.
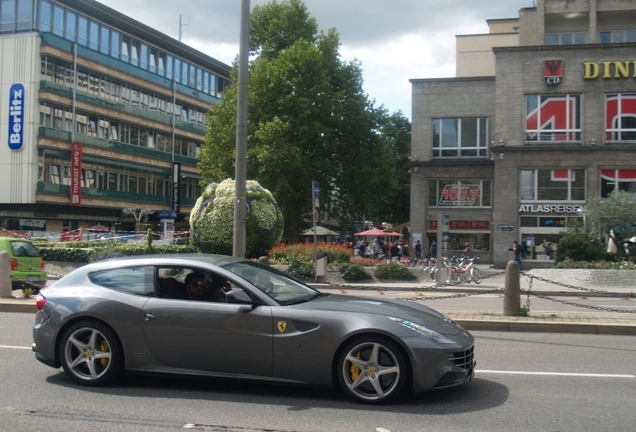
<point>282,325</point>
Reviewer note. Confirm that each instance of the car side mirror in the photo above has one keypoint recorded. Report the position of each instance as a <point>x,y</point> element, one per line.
<point>238,296</point>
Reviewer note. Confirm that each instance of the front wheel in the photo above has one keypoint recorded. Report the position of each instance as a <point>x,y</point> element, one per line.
<point>476,275</point>
<point>372,370</point>
<point>90,354</point>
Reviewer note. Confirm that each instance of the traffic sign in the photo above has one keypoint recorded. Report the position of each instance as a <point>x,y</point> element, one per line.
<point>316,216</point>
<point>316,188</point>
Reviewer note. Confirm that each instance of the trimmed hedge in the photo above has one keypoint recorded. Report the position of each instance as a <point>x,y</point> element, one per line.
<point>78,252</point>
<point>393,271</point>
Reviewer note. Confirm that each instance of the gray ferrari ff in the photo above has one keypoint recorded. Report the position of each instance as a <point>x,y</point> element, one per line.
<point>220,316</point>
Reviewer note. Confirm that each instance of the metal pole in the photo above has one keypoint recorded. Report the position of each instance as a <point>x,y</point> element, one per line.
<point>241,135</point>
<point>313,209</point>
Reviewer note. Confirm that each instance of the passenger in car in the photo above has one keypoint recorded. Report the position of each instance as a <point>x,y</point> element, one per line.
<point>217,290</point>
<point>171,288</point>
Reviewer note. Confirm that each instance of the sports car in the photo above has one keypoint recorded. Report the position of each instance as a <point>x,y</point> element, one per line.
<point>219,316</point>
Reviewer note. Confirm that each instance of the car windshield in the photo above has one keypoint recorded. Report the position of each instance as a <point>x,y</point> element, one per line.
<point>23,249</point>
<point>276,284</point>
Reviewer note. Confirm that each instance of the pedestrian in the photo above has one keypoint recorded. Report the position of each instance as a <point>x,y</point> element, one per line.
<point>466,250</point>
<point>376,249</point>
<point>517,250</point>
<point>395,252</point>
<point>418,251</point>
<point>432,251</point>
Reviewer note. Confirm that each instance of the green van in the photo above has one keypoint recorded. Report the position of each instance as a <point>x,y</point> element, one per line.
<point>27,267</point>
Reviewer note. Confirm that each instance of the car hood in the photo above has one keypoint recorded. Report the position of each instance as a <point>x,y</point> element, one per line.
<point>407,310</point>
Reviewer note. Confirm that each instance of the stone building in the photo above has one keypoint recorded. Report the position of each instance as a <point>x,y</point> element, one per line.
<point>516,152</point>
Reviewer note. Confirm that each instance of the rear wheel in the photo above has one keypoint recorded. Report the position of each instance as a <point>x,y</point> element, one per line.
<point>372,370</point>
<point>90,354</point>
<point>476,275</point>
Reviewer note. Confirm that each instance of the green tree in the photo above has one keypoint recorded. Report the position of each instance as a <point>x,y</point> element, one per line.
<point>613,216</point>
<point>579,244</point>
<point>309,119</point>
<point>394,203</point>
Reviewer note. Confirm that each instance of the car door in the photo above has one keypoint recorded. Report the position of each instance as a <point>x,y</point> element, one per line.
<point>207,336</point>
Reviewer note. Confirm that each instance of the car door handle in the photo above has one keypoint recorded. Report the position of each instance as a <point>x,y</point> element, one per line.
<point>150,317</point>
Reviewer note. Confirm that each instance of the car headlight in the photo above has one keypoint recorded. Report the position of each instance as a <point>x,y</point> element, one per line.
<point>437,337</point>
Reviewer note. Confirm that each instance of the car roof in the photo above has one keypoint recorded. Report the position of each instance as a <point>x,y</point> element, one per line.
<point>162,259</point>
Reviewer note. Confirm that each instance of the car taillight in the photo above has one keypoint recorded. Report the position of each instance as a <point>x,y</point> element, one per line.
<point>14,264</point>
<point>42,264</point>
<point>40,301</point>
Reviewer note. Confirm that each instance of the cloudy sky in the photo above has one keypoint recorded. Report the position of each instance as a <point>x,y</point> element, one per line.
<point>394,40</point>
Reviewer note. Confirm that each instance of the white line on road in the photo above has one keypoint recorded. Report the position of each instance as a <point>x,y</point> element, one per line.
<point>14,347</point>
<point>557,374</point>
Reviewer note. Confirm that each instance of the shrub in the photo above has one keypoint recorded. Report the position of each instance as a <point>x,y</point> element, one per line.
<point>284,254</point>
<point>302,267</point>
<point>393,271</point>
<point>354,272</point>
<point>579,245</point>
<point>212,219</point>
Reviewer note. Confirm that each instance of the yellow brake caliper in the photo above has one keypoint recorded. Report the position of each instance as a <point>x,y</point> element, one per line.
<point>354,371</point>
<point>104,348</point>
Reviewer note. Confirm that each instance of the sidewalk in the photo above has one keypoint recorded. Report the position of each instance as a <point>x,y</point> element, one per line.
<point>488,318</point>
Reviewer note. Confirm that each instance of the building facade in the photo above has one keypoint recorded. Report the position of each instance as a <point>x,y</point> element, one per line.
<point>517,155</point>
<point>98,113</point>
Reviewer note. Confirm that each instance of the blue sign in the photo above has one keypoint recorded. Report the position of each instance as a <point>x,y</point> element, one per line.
<point>316,188</point>
<point>166,214</point>
<point>16,116</point>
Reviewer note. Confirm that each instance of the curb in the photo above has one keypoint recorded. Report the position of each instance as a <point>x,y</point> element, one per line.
<point>547,327</point>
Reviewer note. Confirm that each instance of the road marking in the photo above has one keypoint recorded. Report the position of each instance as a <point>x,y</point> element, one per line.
<point>14,347</point>
<point>557,374</point>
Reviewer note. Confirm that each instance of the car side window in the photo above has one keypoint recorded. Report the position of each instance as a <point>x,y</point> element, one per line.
<point>131,280</point>
<point>23,249</point>
<point>190,283</point>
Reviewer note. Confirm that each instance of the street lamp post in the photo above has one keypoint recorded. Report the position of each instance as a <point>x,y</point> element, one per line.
<point>137,214</point>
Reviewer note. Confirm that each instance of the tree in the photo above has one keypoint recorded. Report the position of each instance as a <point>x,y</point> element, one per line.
<point>309,119</point>
<point>579,244</point>
<point>614,216</point>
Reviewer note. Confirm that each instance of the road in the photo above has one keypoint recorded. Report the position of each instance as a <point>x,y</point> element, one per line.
<point>524,382</point>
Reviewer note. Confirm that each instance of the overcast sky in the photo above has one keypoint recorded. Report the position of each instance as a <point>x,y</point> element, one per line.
<point>394,40</point>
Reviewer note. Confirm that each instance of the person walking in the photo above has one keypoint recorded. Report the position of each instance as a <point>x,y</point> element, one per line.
<point>517,250</point>
<point>418,251</point>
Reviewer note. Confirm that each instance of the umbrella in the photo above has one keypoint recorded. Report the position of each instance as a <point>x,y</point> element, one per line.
<point>372,232</point>
<point>393,234</point>
<point>321,231</point>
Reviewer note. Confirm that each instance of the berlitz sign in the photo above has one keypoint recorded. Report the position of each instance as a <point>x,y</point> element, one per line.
<point>16,116</point>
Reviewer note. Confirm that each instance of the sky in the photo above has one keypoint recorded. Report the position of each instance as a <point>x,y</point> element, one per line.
<point>394,40</point>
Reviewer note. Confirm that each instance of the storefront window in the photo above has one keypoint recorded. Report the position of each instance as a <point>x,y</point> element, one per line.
<point>462,193</point>
<point>624,180</point>
<point>552,185</point>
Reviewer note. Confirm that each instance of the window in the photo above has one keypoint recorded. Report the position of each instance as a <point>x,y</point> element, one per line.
<point>25,12</point>
<point>153,60</point>
<point>45,16</point>
<point>617,36</point>
<point>134,53</point>
<point>89,178</point>
<point>460,137</point>
<point>114,44</point>
<point>621,179</point>
<point>459,193</point>
<point>125,49</point>
<point>552,118</point>
<point>131,280</point>
<point>93,40</point>
<point>58,20</point>
<point>7,16</point>
<point>82,31</point>
<point>620,117</point>
<point>552,185</point>
<point>104,40</point>
<point>567,38</point>
<point>144,56</point>
<point>71,26</point>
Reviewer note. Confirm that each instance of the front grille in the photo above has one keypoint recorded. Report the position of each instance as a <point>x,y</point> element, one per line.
<point>463,359</point>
